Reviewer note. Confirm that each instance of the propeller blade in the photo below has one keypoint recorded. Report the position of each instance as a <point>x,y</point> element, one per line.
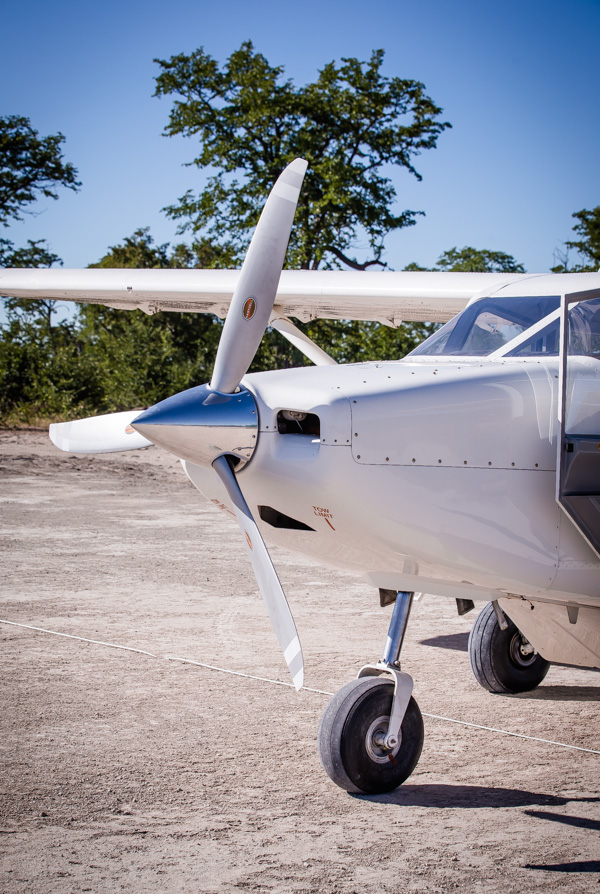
<point>99,434</point>
<point>266,576</point>
<point>256,288</point>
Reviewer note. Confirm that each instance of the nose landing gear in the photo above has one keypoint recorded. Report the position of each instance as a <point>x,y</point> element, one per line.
<point>371,733</point>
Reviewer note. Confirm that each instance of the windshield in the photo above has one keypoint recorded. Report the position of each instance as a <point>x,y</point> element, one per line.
<point>487,325</point>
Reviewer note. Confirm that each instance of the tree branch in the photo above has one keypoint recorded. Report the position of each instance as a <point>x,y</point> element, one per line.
<point>354,264</point>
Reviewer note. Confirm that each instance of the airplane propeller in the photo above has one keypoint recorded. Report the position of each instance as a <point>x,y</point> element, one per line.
<point>254,295</point>
<point>217,425</point>
<point>99,434</point>
<point>266,576</point>
<point>199,424</point>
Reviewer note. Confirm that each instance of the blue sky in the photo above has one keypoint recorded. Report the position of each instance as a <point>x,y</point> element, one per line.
<point>519,81</point>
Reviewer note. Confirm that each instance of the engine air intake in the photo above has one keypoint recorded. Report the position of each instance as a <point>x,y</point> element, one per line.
<point>279,520</point>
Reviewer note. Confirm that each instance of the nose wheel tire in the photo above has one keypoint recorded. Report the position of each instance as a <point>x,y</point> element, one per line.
<point>351,738</point>
<point>503,660</point>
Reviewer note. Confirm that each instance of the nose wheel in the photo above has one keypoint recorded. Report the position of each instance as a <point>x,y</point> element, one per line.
<point>371,733</point>
<point>352,738</point>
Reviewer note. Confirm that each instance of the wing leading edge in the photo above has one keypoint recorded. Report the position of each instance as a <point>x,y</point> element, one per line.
<point>388,297</point>
<point>307,295</point>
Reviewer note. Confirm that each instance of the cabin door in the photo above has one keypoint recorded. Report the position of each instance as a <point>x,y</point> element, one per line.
<point>578,466</point>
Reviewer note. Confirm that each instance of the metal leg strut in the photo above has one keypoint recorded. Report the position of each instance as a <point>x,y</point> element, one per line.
<point>390,664</point>
<point>397,629</point>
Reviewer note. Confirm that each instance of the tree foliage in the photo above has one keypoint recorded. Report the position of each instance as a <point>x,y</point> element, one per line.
<point>140,358</point>
<point>30,167</point>
<point>355,341</point>
<point>478,260</point>
<point>473,260</point>
<point>587,246</point>
<point>145,358</point>
<point>35,254</point>
<point>41,370</point>
<point>352,124</point>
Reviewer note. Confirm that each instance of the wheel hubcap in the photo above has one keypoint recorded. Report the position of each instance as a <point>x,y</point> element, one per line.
<point>521,651</point>
<point>375,739</point>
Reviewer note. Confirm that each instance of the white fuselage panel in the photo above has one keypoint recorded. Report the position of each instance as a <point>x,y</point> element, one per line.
<point>422,478</point>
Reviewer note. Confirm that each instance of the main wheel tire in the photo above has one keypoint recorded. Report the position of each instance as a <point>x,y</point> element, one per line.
<point>350,733</point>
<point>502,660</point>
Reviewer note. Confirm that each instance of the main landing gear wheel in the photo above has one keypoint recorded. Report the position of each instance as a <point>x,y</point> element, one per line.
<point>503,660</point>
<point>351,735</point>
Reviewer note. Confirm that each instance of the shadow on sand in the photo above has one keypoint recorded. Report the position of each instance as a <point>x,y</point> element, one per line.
<point>472,796</point>
<point>576,866</point>
<point>552,693</point>
<point>459,642</point>
<point>580,822</point>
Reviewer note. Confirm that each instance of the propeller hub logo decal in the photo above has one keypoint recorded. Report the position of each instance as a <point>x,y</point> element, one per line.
<point>130,430</point>
<point>249,308</point>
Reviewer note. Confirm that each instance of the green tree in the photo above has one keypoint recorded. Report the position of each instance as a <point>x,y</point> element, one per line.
<point>35,254</point>
<point>587,246</point>
<point>355,341</point>
<point>42,372</point>
<point>141,359</point>
<point>352,125</point>
<point>478,260</point>
<point>37,357</point>
<point>137,250</point>
<point>473,260</point>
<point>30,167</point>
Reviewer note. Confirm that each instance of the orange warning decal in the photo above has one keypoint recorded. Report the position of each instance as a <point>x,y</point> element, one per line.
<point>222,506</point>
<point>248,539</point>
<point>321,512</point>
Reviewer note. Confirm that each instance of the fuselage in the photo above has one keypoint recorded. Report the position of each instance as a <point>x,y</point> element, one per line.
<point>425,474</point>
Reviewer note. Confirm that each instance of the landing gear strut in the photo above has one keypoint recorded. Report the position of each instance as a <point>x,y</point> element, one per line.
<point>371,733</point>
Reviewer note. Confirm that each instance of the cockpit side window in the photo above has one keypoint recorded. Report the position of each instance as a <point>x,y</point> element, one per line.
<point>584,328</point>
<point>487,325</point>
<point>543,342</point>
<point>584,334</point>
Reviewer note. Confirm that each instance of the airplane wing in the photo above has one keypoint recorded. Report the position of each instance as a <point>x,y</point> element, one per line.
<point>387,297</point>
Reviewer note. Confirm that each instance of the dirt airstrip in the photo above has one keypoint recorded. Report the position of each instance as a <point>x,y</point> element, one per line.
<point>130,769</point>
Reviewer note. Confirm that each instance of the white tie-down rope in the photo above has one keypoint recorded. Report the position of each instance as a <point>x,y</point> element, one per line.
<point>83,639</point>
<point>224,670</point>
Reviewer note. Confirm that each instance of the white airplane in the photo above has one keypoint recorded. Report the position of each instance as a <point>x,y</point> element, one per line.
<point>469,469</point>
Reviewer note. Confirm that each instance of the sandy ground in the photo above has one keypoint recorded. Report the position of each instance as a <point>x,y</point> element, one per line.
<point>122,770</point>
